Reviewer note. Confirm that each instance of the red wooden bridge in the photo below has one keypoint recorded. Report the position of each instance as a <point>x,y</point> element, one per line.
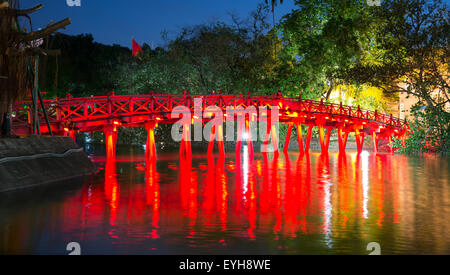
<point>107,113</point>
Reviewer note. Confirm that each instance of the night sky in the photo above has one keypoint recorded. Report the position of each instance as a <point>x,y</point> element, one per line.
<point>116,22</point>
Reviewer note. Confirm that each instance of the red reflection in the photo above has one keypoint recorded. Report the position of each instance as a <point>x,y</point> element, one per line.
<point>112,191</point>
<point>153,194</point>
<point>222,192</point>
<point>188,189</point>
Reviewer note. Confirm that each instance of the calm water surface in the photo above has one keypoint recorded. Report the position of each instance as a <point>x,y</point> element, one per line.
<point>285,205</point>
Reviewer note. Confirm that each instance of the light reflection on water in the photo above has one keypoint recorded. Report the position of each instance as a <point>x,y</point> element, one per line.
<point>316,204</point>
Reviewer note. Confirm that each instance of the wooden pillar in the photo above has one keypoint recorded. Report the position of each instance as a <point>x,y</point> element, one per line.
<point>271,130</point>
<point>239,137</point>
<point>249,137</point>
<point>288,138</point>
<point>185,148</point>
<point>220,140</point>
<point>326,142</point>
<point>342,137</point>
<point>266,139</point>
<point>274,139</point>
<point>391,146</point>
<point>211,140</point>
<point>301,148</point>
<point>111,141</point>
<point>359,140</point>
<point>150,148</point>
<point>308,139</point>
<point>73,134</point>
<point>321,139</point>
<point>375,142</point>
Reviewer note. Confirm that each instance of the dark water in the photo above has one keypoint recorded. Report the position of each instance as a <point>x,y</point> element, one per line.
<point>309,205</point>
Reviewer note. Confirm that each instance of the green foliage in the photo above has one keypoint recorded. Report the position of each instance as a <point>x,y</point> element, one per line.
<point>430,132</point>
<point>321,38</point>
<point>411,56</point>
<point>210,57</point>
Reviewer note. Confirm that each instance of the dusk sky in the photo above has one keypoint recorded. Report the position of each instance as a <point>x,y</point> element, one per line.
<point>116,22</point>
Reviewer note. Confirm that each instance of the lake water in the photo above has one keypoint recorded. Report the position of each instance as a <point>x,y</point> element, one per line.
<point>238,205</point>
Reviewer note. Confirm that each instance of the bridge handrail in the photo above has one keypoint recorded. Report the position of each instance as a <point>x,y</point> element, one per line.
<point>301,104</point>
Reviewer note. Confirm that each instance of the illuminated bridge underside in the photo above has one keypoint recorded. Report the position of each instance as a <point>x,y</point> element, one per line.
<point>108,113</point>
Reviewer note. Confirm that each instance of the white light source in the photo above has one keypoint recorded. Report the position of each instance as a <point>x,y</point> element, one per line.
<point>245,136</point>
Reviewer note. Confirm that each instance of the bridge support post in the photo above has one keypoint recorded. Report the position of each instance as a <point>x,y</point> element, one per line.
<point>375,142</point>
<point>111,140</point>
<point>239,137</point>
<point>288,138</point>
<point>321,139</point>
<point>308,139</point>
<point>324,141</point>
<point>185,148</point>
<point>301,147</point>
<point>219,140</point>
<point>150,148</point>
<point>342,137</point>
<point>271,131</point>
<point>391,146</point>
<point>72,134</point>
<point>274,140</point>
<point>211,140</point>
<point>359,140</point>
<point>249,137</point>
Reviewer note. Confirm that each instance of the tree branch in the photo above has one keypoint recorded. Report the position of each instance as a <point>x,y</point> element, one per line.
<point>16,12</point>
<point>47,31</point>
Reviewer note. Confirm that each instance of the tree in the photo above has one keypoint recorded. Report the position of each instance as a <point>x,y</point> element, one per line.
<point>273,3</point>
<point>412,52</point>
<point>321,39</point>
<point>210,57</point>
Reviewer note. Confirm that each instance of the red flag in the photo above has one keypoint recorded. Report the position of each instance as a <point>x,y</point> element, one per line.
<point>136,48</point>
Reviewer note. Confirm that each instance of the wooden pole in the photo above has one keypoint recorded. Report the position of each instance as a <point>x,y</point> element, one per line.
<point>301,147</point>
<point>36,127</point>
<point>288,138</point>
<point>308,139</point>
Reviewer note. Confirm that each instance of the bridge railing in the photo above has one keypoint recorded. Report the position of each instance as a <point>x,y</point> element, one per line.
<point>100,107</point>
